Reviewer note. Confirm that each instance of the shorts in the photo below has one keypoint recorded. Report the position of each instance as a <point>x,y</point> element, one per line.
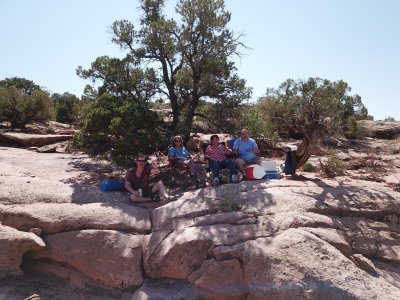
<point>254,161</point>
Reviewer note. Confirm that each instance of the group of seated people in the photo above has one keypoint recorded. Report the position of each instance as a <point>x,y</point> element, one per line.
<point>218,156</point>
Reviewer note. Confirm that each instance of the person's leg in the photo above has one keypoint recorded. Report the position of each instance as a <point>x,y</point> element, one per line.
<point>215,167</point>
<point>255,161</point>
<point>240,164</point>
<point>193,169</point>
<point>228,163</point>
<point>160,188</point>
<point>194,173</point>
<point>135,197</point>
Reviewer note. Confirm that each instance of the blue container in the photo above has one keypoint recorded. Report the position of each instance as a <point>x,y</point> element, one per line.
<point>112,185</point>
<point>272,175</point>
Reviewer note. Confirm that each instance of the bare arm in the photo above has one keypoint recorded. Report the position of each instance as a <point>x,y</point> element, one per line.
<point>228,151</point>
<point>256,150</point>
<point>129,188</point>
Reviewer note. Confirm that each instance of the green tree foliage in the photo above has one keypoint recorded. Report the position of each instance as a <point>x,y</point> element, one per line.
<point>67,107</point>
<point>313,108</point>
<point>25,86</point>
<point>118,129</point>
<point>23,102</point>
<point>192,56</point>
<point>262,129</point>
<point>118,122</point>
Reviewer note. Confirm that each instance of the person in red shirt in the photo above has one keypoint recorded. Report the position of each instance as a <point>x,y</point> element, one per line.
<point>216,155</point>
<point>137,181</point>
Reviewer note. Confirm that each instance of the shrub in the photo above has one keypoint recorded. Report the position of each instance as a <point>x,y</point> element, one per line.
<point>308,167</point>
<point>66,106</point>
<point>20,109</point>
<point>118,129</point>
<point>227,202</point>
<point>50,129</point>
<point>333,166</point>
<point>351,132</point>
<point>394,146</point>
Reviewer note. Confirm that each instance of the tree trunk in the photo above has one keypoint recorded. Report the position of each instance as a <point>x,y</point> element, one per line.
<point>306,149</point>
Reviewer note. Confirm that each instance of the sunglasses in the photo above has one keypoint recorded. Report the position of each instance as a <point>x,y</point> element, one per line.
<point>141,160</point>
<point>178,141</point>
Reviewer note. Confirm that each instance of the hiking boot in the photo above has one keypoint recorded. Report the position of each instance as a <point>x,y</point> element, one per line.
<point>197,183</point>
<point>216,181</point>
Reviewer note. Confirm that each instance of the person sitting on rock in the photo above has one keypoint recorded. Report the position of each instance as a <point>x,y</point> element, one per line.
<point>137,181</point>
<point>217,159</point>
<point>247,150</point>
<point>179,155</point>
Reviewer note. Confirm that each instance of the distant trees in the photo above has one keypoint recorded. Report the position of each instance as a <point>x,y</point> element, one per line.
<point>66,107</point>
<point>390,119</point>
<point>313,107</point>
<point>25,86</point>
<point>22,102</point>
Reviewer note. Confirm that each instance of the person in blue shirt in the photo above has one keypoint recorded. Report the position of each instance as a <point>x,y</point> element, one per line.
<point>247,150</point>
<point>178,154</point>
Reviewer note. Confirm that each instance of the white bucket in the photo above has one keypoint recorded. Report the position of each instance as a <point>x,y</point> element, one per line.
<point>269,165</point>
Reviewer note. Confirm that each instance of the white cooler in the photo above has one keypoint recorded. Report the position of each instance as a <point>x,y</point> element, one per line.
<point>269,165</point>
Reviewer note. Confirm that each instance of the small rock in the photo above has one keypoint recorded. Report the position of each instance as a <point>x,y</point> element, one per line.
<point>33,297</point>
<point>392,219</point>
<point>36,231</point>
<point>364,263</point>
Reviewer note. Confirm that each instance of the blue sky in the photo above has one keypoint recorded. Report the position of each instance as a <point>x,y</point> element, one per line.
<point>354,40</point>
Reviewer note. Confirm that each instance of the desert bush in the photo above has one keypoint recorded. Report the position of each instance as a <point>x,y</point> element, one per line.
<point>351,131</point>
<point>66,106</point>
<point>20,108</point>
<point>50,129</point>
<point>390,119</point>
<point>227,202</point>
<point>308,167</point>
<point>333,166</point>
<point>394,146</point>
<point>118,129</point>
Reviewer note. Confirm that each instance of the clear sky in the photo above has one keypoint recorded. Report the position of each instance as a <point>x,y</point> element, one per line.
<point>354,40</point>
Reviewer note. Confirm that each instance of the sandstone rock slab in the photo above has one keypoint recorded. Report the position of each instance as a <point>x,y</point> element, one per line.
<point>108,257</point>
<point>37,140</point>
<point>53,218</point>
<point>176,254</point>
<point>298,265</point>
<point>13,245</point>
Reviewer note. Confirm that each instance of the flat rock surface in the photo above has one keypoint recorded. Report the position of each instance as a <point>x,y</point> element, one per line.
<point>38,140</point>
<point>53,218</point>
<point>305,237</point>
<point>31,177</point>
